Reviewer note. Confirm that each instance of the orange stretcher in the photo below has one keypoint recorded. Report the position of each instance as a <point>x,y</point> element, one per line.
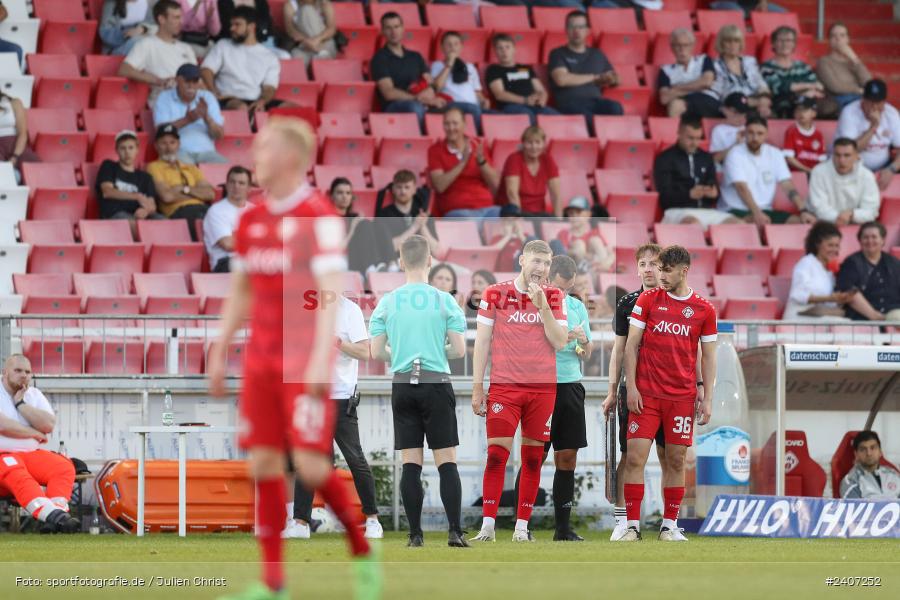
<point>220,495</point>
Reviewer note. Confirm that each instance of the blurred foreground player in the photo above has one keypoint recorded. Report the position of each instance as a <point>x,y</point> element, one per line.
<point>522,324</point>
<point>286,273</point>
<point>667,323</point>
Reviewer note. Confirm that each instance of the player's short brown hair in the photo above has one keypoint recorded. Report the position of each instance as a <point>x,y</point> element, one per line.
<point>415,252</point>
<point>673,256</point>
<point>403,176</point>
<point>650,247</point>
<point>537,247</point>
<point>563,266</point>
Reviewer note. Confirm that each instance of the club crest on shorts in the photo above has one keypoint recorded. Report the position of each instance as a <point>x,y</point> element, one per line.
<point>633,427</point>
<point>496,407</point>
<point>688,312</point>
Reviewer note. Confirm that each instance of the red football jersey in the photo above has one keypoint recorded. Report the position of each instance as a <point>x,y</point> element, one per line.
<point>667,360</point>
<point>806,146</point>
<point>520,352</point>
<point>284,249</point>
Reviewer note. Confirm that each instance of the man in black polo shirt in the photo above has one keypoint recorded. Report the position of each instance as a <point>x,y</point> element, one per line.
<point>515,87</point>
<point>404,83</point>
<point>685,177</point>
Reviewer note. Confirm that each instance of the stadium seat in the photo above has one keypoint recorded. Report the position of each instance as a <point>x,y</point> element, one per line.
<point>236,148</point>
<point>116,357</point>
<point>504,127</point>
<point>360,42</point>
<point>737,235</point>
<point>618,128</point>
<point>408,12</point>
<point>56,258</point>
<point>689,235</point>
<point>501,150</point>
<point>746,261</point>
<point>111,305</point>
<point>59,203</point>
<point>782,202</point>
<point>634,208</point>
<point>562,126</point>
<point>666,21</point>
<point>23,32</point>
<point>550,18</point>
<point>121,93</point>
<point>663,130</point>
<point>460,232</point>
<point>18,86</point>
<point>61,174</point>
<point>790,235</point>
<point>107,120</point>
<point>751,309</point>
<point>472,258</point>
<point>434,126</point>
<point>448,17</point>
<point>174,231</point>
<point>624,259</point>
<point>628,76</point>
<point>349,97</point>
<point>786,260</point>
<point>17,9</point>
<point>829,131</point>
<point>625,48</point>
<point>337,70</point>
<point>159,284</point>
<point>48,231</point>
<point>383,282</point>
<point>776,130</point>
<point>738,286</point>
<point>53,65</point>
<point>634,101</point>
<point>215,173</point>
<point>62,37</point>
<point>52,305</point>
<point>890,211</point>
<point>575,154</point>
<point>60,10</point>
<point>358,151</point>
<point>475,43</point>
<point>293,70</point>
<point>325,174</point>
<point>764,23</point>
<point>364,202</point>
<point>528,44</point>
<point>404,153</point>
<point>574,183</point>
<point>50,120</point>
<point>348,14</point>
<point>637,155</point>
<point>104,147</point>
<point>843,460</point>
<point>612,20</point>
<point>42,284</point>
<point>703,262</point>
<point>418,39</point>
<point>553,39</point>
<point>190,353</point>
<point>236,122</point>
<point>381,177</point>
<point>711,21</point>
<point>54,146</point>
<point>54,356</point>
<point>13,259</point>
<point>849,243</point>
<point>101,284</point>
<point>627,281</point>
<point>779,288</point>
<point>301,94</point>
<point>501,18</point>
<point>340,125</point>
<point>102,65</point>
<point>394,125</point>
<point>619,181</point>
<point>210,287</point>
<point>628,235</point>
<point>71,92</point>
<point>803,475</point>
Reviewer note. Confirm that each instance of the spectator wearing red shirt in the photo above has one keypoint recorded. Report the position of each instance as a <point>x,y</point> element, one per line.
<point>804,145</point>
<point>512,240</point>
<point>530,174</point>
<point>463,178</point>
<point>583,242</point>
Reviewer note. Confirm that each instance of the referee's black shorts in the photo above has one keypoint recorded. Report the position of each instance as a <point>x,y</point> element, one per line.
<point>568,428</point>
<point>424,411</point>
<point>622,405</point>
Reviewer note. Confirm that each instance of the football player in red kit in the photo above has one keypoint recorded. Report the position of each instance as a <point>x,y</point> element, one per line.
<point>521,323</point>
<point>288,261</point>
<point>667,324</point>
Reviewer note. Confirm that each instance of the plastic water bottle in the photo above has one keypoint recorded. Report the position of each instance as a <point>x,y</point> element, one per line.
<point>168,417</point>
<point>62,449</point>
<point>94,529</point>
<point>723,445</point>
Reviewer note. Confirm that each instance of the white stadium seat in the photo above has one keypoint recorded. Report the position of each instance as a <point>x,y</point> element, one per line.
<point>18,87</point>
<point>17,10</point>
<point>10,304</point>
<point>13,259</point>
<point>22,32</point>
<point>9,64</point>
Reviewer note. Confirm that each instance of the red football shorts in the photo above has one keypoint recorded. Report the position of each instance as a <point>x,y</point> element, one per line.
<point>280,415</point>
<point>676,417</point>
<point>509,404</point>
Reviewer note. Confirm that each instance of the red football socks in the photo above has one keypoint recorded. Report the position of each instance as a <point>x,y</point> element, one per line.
<point>270,518</point>
<point>334,492</point>
<point>532,457</point>
<point>634,494</point>
<point>673,497</point>
<point>494,472</point>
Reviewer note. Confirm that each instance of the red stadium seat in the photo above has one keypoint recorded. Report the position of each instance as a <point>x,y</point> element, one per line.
<point>460,231</point>
<point>190,357</point>
<point>111,305</point>
<point>337,70</point>
<point>636,155</point>
<point>755,309</point>
<point>60,10</point>
<point>528,43</point>
<point>71,92</point>
<point>612,20</point>
<point>42,284</point>
<point>211,285</point>
<point>61,174</point>
<point>56,258</point>
<point>711,21</point>
<point>59,203</point>
<point>625,48</point>
<point>501,150</point>
<point>360,42</point>
<point>450,16</point>
<point>666,21</point>
<point>703,262</point>
<point>634,101</point>
<point>849,243</point>
<point>627,127</point>
<point>115,357</point>
<point>160,284</point>
<point>473,258</point>
<point>787,259</point>
<point>746,261</point>
<point>628,76</point>
<point>776,130</point>
<point>505,127</point>
<point>105,232</point>
<point>236,148</point>
<point>634,208</point>
<point>102,65</point>
<point>61,37</point>
<point>102,285</point>
<point>348,14</point>
<point>301,94</point>
<point>434,126</point>
<point>563,126</point>
<point>502,18</point>
<point>689,236</point>
<point>394,125</point>
<point>54,356</point>
<point>782,202</point>
<point>359,151</point>
<point>624,261</point>
<point>780,289</point>
<point>829,131</point>
<point>364,202</point>
<point>179,305</point>
<point>349,97</point>
<point>475,43</point>
<point>404,153</point>
<point>418,39</point>
<point>107,120</point>
<point>174,231</point>
<point>50,120</point>
<point>738,286</point>
<point>552,39</point>
<point>737,235</point>
<point>573,183</point>
<point>340,125</point>
<point>236,122</point>
<point>121,93</point>
<point>63,66</point>
<point>408,12</point>
<point>663,130</point>
<point>60,146</point>
<point>550,18</point>
<point>325,174</point>
<point>381,177</point>
<point>890,211</point>
<point>293,70</point>
<point>764,23</point>
<point>381,283</point>
<point>619,181</point>
<point>50,231</point>
<point>790,235</point>
<point>575,154</point>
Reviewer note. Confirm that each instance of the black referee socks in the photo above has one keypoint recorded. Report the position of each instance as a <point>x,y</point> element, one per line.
<point>563,495</point>
<point>451,494</point>
<point>413,495</point>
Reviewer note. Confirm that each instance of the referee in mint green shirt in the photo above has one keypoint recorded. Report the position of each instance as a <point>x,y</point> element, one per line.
<point>417,328</point>
<point>568,429</point>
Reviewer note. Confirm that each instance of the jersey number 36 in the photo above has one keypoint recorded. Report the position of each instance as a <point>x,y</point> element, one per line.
<point>682,425</point>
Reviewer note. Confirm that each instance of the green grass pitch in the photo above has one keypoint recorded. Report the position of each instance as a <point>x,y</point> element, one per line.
<point>726,568</point>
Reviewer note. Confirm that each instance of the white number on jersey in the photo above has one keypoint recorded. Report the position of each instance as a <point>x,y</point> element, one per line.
<point>682,425</point>
<point>309,415</point>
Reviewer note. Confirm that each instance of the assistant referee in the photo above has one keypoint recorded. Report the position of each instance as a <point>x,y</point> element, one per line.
<point>411,328</point>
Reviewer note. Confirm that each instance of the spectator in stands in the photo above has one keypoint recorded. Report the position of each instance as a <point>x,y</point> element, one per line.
<point>788,78</point>
<point>458,80</point>
<point>875,273</point>
<point>310,26</point>
<point>368,246</point>
<point>812,292</point>
<point>221,219</point>
<point>686,85</point>
<point>685,176</point>
<point>402,77</point>
<point>581,241</point>
<point>515,87</point>
<point>155,59</point>
<point>481,279</point>
<point>264,31</point>
<point>842,190</point>
<point>875,125</point>
<point>443,277</point>
<point>183,191</point>
<point>407,214</point>
<point>14,146</point>
<point>462,175</point>
<point>579,72</point>
<point>804,145</point>
<point>123,190</point>
<point>529,175</point>
<point>727,135</point>
<point>7,46</point>
<point>200,24</point>
<point>841,71</point>
<point>123,23</point>
<point>195,113</point>
<point>736,72</point>
<point>752,171</point>
<point>869,479</point>
<point>26,420</point>
<point>747,6</point>
<point>511,241</point>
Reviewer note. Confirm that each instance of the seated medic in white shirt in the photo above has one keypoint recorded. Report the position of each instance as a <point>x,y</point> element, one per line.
<point>26,419</point>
